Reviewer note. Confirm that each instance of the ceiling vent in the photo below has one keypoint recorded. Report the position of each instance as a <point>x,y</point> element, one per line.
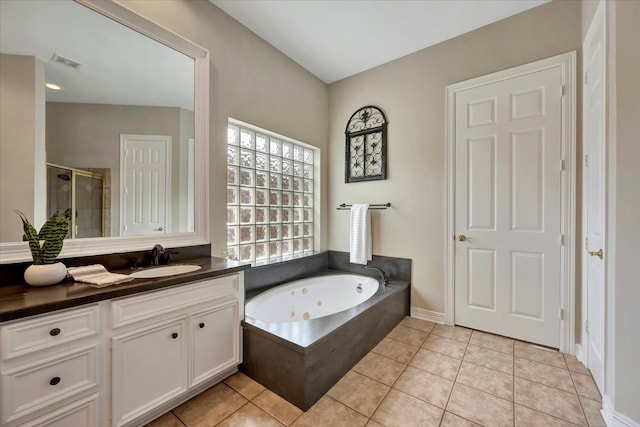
<point>65,61</point>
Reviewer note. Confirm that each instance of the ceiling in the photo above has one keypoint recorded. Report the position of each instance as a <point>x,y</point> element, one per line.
<point>335,39</point>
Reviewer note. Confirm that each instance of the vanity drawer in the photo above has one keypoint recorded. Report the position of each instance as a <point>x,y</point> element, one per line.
<point>82,413</point>
<point>133,309</point>
<point>37,333</point>
<point>39,384</point>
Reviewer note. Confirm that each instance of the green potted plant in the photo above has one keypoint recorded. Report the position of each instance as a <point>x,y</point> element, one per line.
<point>45,247</point>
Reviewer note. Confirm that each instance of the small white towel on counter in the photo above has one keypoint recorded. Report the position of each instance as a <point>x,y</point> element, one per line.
<point>96,275</point>
<point>360,234</point>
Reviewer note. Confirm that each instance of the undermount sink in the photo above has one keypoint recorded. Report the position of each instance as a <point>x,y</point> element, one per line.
<point>169,270</point>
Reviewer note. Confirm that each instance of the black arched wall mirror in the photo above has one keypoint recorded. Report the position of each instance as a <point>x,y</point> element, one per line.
<point>366,145</point>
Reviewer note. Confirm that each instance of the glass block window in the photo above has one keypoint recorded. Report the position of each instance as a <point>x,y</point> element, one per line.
<point>270,195</point>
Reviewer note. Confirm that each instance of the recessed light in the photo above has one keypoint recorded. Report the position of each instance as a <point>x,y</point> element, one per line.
<point>53,86</point>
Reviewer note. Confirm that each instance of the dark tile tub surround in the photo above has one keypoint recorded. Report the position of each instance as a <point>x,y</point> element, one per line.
<point>396,268</point>
<point>263,277</point>
<point>301,361</point>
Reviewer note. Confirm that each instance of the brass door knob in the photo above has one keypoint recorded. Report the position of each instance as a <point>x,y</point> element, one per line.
<point>597,253</point>
<point>462,238</point>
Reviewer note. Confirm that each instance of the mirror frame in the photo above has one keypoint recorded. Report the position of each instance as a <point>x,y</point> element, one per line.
<point>19,251</point>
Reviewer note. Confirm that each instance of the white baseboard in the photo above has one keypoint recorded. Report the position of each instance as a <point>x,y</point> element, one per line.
<point>431,316</point>
<point>613,418</point>
<point>579,354</point>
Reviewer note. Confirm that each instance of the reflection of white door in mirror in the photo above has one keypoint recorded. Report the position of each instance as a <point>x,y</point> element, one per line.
<point>145,184</point>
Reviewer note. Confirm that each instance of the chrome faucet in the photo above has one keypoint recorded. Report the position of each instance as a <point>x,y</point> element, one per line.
<point>385,279</point>
<point>157,254</point>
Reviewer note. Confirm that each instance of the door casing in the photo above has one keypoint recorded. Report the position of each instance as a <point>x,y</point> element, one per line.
<point>567,63</point>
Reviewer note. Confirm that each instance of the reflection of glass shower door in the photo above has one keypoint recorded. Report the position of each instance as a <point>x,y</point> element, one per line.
<point>58,191</point>
<point>83,193</point>
<point>88,201</point>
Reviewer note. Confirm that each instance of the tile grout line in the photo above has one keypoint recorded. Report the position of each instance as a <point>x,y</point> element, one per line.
<point>546,364</point>
<point>391,387</point>
<point>584,415</point>
<point>403,370</point>
<point>275,418</point>
<point>179,419</point>
<point>550,386</point>
<point>551,415</point>
<point>241,406</point>
<point>455,380</point>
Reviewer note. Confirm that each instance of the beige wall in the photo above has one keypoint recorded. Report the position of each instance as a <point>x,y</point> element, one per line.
<point>22,150</point>
<point>250,81</point>
<point>624,158</point>
<point>411,91</point>
<point>88,136</point>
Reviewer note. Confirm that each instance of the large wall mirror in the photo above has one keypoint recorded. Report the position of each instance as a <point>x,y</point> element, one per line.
<point>122,144</point>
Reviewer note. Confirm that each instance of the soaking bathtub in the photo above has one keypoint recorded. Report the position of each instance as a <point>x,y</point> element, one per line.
<point>311,298</point>
<point>301,337</point>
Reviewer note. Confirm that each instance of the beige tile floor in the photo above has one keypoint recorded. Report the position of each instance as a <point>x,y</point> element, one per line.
<point>421,374</point>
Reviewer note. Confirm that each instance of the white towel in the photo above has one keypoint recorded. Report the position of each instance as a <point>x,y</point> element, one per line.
<point>96,275</point>
<point>360,234</point>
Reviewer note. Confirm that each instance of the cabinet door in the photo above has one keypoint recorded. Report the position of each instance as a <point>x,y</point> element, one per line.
<point>149,368</point>
<point>215,340</point>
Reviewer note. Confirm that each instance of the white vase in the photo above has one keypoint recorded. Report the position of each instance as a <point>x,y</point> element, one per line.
<point>45,274</point>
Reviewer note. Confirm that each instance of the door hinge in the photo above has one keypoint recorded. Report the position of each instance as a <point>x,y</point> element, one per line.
<point>586,326</point>
<point>563,90</point>
<point>562,239</point>
<point>561,313</point>
<point>561,165</point>
<point>586,160</point>
<point>586,78</point>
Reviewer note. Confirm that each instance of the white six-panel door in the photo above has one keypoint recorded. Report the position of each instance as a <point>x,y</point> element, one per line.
<point>508,206</point>
<point>594,193</point>
<point>145,184</point>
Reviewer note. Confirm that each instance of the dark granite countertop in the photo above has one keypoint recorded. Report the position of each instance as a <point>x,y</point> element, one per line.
<point>18,300</point>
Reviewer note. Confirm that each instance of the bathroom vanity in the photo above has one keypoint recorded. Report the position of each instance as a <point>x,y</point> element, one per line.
<point>73,355</point>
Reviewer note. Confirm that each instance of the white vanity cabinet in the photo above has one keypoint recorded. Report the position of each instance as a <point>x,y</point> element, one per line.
<point>120,362</point>
<point>169,345</point>
<point>50,369</point>
<point>214,345</point>
<point>148,369</point>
